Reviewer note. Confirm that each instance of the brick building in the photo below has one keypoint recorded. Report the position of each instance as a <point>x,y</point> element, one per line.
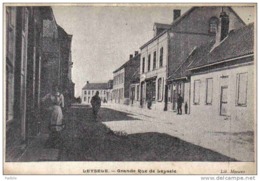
<point>123,79</point>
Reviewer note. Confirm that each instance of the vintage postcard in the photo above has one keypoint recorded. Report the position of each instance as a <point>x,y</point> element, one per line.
<point>129,89</point>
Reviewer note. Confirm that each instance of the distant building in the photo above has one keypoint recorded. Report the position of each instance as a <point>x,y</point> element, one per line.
<point>169,48</point>
<point>90,89</point>
<point>123,79</point>
<point>110,91</point>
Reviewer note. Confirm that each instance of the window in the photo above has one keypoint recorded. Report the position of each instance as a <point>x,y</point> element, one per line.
<point>10,23</point>
<point>160,89</point>
<point>85,92</point>
<point>88,92</point>
<point>161,57</point>
<point>154,60</point>
<point>143,66</point>
<point>84,99</point>
<point>149,62</point>
<point>213,25</point>
<point>241,95</point>
<point>196,92</point>
<point>209,90</point>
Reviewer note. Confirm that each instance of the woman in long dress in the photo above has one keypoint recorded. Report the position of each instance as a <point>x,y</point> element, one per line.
<point>56,102</point>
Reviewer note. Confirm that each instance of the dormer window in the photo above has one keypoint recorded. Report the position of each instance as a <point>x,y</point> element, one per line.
<point>213,25</point>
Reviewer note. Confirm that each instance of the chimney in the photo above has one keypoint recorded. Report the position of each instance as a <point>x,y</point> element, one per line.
<point>87,82</point>
<point>224,25</point>
<point>136,53</point>
<point>176,14</point>
<point>131,56</point>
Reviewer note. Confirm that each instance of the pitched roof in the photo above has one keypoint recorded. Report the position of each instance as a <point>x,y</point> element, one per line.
<point>95,86</point>
<point>239,42</point>
<point>172,24</point>
<point>178,20</point>
<point>195,55</point>
<point>130,62</point>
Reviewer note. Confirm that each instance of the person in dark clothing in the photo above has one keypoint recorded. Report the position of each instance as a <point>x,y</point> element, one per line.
<point>95,103</point>
<point>179,104</point>
<point>186,108</point>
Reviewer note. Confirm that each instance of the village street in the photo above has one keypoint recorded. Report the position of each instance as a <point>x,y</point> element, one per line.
<point>122,133</point>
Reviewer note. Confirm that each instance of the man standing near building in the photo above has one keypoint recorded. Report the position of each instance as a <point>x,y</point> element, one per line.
<point>179,104</point>
<point>95,103</point>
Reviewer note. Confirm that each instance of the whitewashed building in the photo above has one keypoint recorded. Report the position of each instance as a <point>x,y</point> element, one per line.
<point>223,79</point>
<point>90,89</point>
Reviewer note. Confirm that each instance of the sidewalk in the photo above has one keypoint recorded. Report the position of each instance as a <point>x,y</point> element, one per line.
<point>233,139</point>
<point>37,151</point>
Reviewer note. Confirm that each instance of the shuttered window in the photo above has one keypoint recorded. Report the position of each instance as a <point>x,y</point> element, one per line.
<point>196,92</point>
<point>242,80</point>
<point>209,90</point>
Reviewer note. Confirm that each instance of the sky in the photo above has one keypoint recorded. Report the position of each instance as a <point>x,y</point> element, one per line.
<point>105,35</point>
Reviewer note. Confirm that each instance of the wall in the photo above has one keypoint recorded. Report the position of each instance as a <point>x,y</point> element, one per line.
<point>131,67</point>
<point>25,44</point>
<point>118,86</point>
<point>51,72</point>
<point>10,61</point>
<point>160,72</point>
<point>242,115</point>
<point>134,98</point>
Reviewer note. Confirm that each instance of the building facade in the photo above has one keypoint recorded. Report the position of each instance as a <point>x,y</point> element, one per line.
<point>153,71</point>
<point>171,46</point>
<point>207,34</point>
<point>134,91</point>
<point>123,77</point>
<point>90,89</point>
<point>223,81</point>
<point>66,63</point>
<point>30,33</point>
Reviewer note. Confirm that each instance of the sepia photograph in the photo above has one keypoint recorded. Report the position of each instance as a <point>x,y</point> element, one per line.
<point>128,88</point>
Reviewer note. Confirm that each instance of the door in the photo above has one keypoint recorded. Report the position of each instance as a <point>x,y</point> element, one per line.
<point>224,101</point>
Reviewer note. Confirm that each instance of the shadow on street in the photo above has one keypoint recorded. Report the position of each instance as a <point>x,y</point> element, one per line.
<point>85,139</point>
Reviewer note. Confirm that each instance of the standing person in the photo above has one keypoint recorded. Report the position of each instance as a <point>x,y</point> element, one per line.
<point>56,102</point>
<point>179,104</point>
<point>95,103</point>
<point>186,108</point>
